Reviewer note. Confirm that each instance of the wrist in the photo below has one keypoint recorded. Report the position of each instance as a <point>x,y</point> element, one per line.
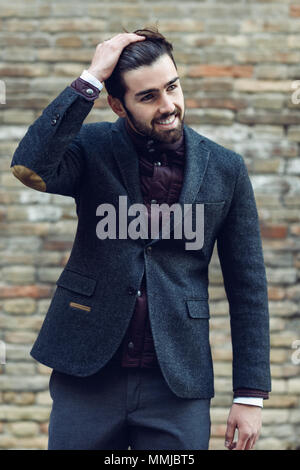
<point>88,77</point>
<point>98,75</point>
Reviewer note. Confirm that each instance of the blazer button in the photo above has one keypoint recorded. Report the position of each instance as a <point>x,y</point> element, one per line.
<point>130,345</point>
<point>139,293</point>
<point>53,122</point>
<point>89,91</point>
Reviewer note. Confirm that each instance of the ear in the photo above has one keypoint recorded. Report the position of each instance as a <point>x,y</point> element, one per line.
<point>116,106</point>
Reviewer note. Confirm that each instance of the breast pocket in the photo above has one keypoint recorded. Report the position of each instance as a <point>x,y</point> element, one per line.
<point>212,207</point>
<point>198,308</point>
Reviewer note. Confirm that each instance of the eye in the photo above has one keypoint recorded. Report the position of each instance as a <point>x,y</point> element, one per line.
<point>150,95</point>
<point>145,97</point>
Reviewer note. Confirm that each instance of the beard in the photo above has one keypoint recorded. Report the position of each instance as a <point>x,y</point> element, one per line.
<point>167,136</point>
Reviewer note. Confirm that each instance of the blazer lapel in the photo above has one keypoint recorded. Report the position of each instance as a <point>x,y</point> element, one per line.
<point>127,160</point>
<point>196,161</point>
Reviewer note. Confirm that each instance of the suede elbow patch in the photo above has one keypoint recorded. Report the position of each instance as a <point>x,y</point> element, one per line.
<point>29,177</point>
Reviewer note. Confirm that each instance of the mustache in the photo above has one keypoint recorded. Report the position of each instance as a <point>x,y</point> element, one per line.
<point>176,113</point>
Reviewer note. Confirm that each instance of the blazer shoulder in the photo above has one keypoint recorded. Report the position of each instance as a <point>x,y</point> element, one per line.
<point>94,135</point>
<point>224,157</point>
<point>224,153</point>
<point>95,129</point>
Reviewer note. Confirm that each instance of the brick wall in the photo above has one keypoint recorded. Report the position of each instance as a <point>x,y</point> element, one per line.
<point>237,62</point>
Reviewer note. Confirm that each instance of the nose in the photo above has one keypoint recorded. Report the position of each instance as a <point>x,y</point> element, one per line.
<point>166,106</point>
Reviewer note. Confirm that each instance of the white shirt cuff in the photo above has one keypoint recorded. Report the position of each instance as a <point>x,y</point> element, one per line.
<point>249,401</point>
<point>88,77</point>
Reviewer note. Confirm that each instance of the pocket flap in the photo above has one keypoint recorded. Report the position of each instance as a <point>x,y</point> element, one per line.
<point>198,308</point>
<point>76,282</point>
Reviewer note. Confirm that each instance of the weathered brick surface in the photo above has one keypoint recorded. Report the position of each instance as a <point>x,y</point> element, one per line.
<point>237,62</point>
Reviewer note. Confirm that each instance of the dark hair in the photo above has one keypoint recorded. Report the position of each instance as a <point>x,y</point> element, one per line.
<point>136,55</point>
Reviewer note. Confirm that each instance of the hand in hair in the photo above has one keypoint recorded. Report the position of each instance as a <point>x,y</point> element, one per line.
<point>108,52</point>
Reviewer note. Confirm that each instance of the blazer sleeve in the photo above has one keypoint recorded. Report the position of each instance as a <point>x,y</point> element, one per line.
<point>50,157</point>
<point>241,258</point>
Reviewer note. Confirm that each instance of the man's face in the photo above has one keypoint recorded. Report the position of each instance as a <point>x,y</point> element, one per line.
<point>154,94</point>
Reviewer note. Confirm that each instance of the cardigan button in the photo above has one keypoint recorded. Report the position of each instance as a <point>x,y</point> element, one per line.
<point>130,345</point>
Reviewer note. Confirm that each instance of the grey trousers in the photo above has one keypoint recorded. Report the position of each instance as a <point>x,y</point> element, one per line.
<point>117,408</point>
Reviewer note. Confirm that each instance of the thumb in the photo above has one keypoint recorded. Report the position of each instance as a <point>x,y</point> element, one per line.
<point>230,430</point>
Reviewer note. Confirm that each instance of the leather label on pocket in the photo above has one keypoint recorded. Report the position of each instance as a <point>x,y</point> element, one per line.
<point>81,307</point>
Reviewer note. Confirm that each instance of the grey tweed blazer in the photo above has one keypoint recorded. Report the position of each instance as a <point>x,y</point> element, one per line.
<point>96,292</point>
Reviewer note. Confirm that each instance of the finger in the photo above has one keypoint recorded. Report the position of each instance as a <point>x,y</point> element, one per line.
<point>135,37</point>
<point>229,435</point>
<point>242,440</point>
<point>255,439</point>
<point>250,443</point>
<point>130,37</point>
<point>232,446</point>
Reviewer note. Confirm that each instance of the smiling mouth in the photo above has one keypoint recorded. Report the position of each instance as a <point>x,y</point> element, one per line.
<point>169,122</point>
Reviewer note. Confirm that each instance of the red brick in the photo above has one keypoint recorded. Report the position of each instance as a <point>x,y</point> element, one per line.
<point>274,231</point>
<point>208,70</point>
<point>275,293</point>
<point>295,10</point>
<point>57,245</point>
<point>34,291</point>
<point>222,103</point>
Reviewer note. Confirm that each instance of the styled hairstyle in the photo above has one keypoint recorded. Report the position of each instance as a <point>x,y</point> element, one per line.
<point>135,55</point>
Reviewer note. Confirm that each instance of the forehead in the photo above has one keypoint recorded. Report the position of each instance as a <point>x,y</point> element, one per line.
<point>155,75</point>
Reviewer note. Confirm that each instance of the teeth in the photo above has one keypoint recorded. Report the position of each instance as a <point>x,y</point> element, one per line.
<point>167,121</point>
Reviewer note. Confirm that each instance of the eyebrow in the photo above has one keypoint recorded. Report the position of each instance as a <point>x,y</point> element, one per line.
<point>144,92</point>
